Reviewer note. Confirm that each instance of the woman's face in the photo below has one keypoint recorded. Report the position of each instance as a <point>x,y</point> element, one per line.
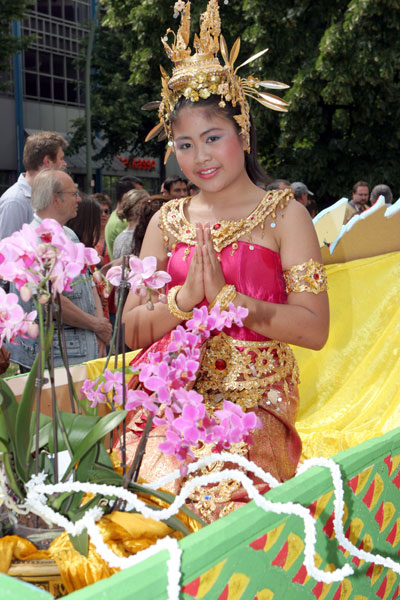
<point>105,215</point>
<point>208,149</point>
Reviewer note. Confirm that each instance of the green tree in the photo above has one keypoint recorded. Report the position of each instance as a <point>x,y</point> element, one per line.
<point>341,59</point>
<point>345,104</point>
<point>9,43</point>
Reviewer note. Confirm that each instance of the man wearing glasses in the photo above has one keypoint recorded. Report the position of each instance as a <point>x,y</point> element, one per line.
<point>55,196</point>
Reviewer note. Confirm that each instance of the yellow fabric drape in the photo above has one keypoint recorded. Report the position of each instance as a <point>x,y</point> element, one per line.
<point>350,390</point>
<point>13,547</point>
<point>124,533</point>
<point>95,367</point>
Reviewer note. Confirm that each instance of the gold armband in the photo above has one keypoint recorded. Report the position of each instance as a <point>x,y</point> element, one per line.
<point>226,295</point>
<point>174,308</point>
<point>307,277</point>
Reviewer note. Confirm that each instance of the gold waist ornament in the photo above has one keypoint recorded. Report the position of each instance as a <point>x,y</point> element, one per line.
<point>242,371</point>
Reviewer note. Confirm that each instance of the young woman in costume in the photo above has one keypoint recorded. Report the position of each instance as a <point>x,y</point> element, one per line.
<point>232,242</point>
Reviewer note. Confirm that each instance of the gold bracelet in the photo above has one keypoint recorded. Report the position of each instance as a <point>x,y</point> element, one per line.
<point>174,308</point>
<point>310,276</point>
<point>225,295</point>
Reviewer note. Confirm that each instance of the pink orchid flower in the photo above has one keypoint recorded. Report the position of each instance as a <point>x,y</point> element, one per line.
<point>13,320</point>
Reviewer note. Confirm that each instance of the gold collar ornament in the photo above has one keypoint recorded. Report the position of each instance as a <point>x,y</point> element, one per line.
<point>200,75</point>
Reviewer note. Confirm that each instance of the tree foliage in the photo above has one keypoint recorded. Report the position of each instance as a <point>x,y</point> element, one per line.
<point>345,105</point>
<point>341,58</point>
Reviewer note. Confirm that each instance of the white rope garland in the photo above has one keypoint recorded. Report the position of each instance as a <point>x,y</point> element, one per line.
<point>36,500</point>
<point>338,504</point>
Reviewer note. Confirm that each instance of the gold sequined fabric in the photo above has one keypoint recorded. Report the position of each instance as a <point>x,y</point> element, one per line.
<point>174,224</point>
<point>215,501</point>
<point>310,276</point>
<point>244,370</point>
<point>258,376</point>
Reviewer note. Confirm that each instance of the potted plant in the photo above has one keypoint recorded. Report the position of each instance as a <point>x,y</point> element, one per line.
<point>39,264</point>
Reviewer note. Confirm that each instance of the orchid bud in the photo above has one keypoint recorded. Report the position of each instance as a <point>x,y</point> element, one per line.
<point>97,276</point>
<point>25,293</point>
<point>44,298</point>
<point>107,290</point>
<point>41,249</point>
<point>163,298</point>
<point>149,305</point>
<point>183,470</point>
<point>33,330</point>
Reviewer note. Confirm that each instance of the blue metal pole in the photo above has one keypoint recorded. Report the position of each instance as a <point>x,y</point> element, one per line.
<point>19,99</point>
<point>88,115</point>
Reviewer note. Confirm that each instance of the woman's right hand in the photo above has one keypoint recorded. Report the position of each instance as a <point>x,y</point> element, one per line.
<point>192,292</point>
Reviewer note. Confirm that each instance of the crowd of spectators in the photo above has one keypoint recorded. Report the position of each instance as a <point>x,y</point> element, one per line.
<point>45,190</point>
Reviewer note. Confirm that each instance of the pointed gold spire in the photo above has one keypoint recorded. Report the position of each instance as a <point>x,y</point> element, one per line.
<point>200,75</point>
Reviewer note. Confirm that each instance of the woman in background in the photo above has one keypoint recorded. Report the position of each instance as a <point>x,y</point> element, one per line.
<point>145,209</point>
<point>106,208</point>
<point>87,223</point>
<point>87,226</point>
<point>127,211</point>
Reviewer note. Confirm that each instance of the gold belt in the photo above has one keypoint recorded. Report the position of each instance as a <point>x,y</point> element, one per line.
<point>241,371</point>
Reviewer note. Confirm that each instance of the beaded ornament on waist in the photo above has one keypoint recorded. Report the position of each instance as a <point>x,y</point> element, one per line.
<point>242,371</point>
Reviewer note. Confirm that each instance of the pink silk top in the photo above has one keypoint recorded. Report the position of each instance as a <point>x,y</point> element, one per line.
<point>256,271</point>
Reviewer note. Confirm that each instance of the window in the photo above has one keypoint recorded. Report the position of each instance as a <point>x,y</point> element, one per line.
<point>50,70</point>
<point>43,6</point>
<point>7,179</point>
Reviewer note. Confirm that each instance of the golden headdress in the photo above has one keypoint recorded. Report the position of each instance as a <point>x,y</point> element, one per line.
<point>200,75</point>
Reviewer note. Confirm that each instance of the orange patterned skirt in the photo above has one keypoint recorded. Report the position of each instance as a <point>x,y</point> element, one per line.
<point>259,376</point>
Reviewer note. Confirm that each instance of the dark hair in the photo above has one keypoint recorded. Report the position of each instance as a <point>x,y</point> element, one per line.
<point>194,187</point>
<point>87,222</point>
<point>103,199</point>
<point>173,179</point>
<point>253,168</point>
<point>360,184</point>
<point>276,184</point>
<point>126,183</point>
<point>144,210</point>
<point>38,146</point>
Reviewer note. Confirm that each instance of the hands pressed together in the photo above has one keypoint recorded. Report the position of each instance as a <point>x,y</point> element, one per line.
<point>205,277</point>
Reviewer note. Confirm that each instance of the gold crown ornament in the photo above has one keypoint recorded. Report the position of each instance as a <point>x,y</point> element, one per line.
<point>201,75</point>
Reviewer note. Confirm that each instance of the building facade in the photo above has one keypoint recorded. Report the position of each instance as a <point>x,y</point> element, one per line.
<point>47,93</point>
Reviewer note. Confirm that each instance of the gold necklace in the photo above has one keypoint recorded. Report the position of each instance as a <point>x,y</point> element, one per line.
<point>173,222</point>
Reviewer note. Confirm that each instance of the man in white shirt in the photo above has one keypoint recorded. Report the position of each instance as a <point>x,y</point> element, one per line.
<point>87,331</point>
<point>43,150</point>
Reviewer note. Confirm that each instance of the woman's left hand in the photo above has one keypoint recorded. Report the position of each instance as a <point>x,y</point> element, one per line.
<point>213,276</point>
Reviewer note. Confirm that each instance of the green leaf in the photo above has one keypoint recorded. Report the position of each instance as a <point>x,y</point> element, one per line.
<point>24,426</point>
<point>80,542</point>
<point>96,434</point>
<point>8,412</point>
<point>62,503</point>
<point>45,433</point>
<point>70,503</point>
<point>11,480</point>
<point>105,476</point>
<point>110,477</point>
<point>177,525</point>
<point>86,463</point>
<point>76,427</point>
